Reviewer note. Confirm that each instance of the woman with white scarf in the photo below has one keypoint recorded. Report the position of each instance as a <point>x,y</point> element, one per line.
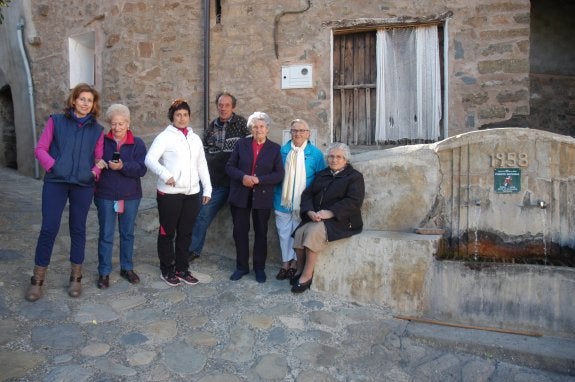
<point>302,161</point>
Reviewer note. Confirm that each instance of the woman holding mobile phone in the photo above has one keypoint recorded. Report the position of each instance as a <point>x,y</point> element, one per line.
<point>118,194</point>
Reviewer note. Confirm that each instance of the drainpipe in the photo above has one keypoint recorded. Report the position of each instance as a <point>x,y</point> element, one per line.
<point>446,78</point>
<point>206,61</point>
<point>20,27</point>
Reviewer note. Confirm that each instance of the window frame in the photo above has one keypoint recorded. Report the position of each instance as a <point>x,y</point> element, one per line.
<point>358,26</point>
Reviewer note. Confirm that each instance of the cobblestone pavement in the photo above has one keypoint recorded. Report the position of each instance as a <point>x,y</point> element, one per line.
<point>223,331</point>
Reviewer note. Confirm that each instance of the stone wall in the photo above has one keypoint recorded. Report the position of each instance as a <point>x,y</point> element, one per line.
<point>488,59</point>
<point>150,52</point>
<point>147,54</point>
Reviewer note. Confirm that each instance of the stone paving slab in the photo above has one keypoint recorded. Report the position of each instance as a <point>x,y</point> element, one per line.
<point>550,353</point>
<point>219,330</point>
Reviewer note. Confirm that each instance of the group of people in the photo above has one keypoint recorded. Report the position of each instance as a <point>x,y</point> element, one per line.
<point>235,162</point>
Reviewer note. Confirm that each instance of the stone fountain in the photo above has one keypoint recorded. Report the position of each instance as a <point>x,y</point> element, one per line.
<point>476,229</point>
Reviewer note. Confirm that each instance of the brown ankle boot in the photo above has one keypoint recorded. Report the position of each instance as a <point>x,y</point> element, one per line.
<point>35,290</point>
<point>75,288</point>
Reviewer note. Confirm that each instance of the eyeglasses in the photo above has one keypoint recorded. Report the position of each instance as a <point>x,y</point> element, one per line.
<point>296,131</point>
<point>85,100</point>
<point>337,157</point>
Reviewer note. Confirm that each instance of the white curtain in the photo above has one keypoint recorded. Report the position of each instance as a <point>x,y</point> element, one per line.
<point>408,84</point>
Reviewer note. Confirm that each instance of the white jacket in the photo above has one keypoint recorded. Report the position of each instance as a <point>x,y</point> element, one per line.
<point>173,154</point>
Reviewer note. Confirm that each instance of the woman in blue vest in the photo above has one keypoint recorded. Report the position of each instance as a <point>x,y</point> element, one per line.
<point>68,149</point>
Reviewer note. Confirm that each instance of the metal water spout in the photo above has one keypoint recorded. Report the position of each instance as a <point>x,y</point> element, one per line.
<point>541,204</point>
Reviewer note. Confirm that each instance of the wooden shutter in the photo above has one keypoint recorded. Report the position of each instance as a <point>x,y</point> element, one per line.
<point>354,95</point>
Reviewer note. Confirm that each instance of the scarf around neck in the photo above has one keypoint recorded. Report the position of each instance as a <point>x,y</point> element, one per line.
<point>295,178</point>
<point>80,120</point>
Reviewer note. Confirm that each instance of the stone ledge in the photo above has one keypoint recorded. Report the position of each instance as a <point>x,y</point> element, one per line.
<point>398,270</point>
<point>386,268</point>
<point>519,296</point>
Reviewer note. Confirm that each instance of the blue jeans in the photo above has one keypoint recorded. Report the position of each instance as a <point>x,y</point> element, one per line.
<point>207,213</point>
<point>54,199</point>
<point>126,222</point>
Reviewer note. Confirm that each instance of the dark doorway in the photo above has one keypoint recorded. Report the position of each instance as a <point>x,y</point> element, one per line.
<point>552,60</point>
<point>8,153</point>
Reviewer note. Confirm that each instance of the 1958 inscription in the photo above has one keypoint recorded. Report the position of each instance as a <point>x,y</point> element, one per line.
<point>509,159</point>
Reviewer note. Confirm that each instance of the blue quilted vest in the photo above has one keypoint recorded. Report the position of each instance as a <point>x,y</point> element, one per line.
<point>73,149</point>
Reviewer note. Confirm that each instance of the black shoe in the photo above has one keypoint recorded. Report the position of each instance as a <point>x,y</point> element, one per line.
<point>301,287</point>
<point>131,276</point>
<point>260,275</point>
<point>294,280</point>
<point>238,275</point>
<point>103,282</point>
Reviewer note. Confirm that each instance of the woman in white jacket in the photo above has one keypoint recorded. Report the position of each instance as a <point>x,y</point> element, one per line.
<point>177,158</point>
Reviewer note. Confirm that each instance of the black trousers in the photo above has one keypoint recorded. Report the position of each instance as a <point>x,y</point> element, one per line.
<point>177,213</point>
<point>241,220</point>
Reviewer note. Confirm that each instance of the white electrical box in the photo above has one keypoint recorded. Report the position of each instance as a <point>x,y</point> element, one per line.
<point>297,76</point>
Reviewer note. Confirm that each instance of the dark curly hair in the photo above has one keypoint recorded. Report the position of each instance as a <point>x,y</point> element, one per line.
<point>178,104</point>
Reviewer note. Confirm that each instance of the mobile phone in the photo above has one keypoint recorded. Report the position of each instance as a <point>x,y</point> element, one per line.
<point>115,157</point>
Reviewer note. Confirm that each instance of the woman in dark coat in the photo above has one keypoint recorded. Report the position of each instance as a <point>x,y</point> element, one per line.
<point>118,194</point>
<point>254,168</point>
<point>330,210</point>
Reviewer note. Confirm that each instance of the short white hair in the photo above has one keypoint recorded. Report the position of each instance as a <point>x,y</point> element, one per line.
<point>117,109</point>
<point>340,146</point>
<point>259,116</point>
<point>299,121</point>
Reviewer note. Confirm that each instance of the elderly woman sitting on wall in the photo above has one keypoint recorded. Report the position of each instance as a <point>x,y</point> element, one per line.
<point>330,210</point>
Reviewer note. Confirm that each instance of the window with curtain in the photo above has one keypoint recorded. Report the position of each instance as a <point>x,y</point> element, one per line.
<point>387,86</point>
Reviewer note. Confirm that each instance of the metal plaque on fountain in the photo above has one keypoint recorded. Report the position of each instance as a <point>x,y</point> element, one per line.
<point>507,180</point>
